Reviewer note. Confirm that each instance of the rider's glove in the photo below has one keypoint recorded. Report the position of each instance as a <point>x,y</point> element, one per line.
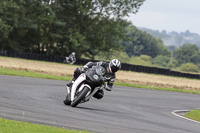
<point>83,69</point>
<point>108,88</point>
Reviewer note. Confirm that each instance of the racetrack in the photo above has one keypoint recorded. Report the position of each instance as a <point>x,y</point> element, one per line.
<point>128,110</point>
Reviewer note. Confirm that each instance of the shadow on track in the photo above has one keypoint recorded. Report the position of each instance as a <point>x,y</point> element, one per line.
<point>99,110</point>
<point>86,108</point>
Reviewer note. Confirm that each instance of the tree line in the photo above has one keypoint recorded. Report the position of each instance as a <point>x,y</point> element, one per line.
<point>141,48</point>
<point>58,27</point>
<point>94,29</point>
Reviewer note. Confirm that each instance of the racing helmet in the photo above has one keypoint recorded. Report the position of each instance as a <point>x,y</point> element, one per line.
<point>73,53</point>
<point>114,65</point>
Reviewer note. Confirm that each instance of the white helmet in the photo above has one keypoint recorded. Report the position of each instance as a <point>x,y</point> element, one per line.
<point>114,65</point>
<point>73,53</point>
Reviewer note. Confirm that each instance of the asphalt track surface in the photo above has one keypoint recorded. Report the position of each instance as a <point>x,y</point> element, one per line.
<point>124,110</point>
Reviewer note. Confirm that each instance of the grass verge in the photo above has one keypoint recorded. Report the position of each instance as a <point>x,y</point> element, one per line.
<point>10,126</point>
<point>23,73</point>
<point>194,115</point>
<point>157,88</point>
<point>4,71</point>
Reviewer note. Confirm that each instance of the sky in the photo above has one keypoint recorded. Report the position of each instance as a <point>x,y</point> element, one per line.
<point>169,15</point>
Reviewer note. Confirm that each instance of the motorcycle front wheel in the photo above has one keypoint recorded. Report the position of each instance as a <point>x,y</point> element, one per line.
<point>80,96</point>
<point>67,100</point>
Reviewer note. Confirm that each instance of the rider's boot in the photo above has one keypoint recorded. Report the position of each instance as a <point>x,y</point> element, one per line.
<point>68,86</point>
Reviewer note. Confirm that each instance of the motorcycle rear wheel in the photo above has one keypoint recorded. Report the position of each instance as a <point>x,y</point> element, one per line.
<point>80,96</point>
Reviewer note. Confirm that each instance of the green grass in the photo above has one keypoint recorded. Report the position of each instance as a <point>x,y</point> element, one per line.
<point>32,74</point>
<point>194,115</point>
<point>10,126</point>
<point>156,88</point>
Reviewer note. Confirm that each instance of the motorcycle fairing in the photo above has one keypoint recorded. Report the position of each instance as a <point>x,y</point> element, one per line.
<point>79,80</point>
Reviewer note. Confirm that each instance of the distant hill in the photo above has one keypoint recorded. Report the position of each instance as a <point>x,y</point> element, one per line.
<point>174,38</point>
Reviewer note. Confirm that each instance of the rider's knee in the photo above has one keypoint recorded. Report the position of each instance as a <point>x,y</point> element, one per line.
<point>99,95</point>
<point>77,72</point>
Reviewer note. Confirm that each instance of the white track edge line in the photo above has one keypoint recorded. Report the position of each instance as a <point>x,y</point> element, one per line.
<point>174,113</point>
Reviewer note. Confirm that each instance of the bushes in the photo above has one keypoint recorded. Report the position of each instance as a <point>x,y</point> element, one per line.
<point>189,67</point>
<point>143,60</point>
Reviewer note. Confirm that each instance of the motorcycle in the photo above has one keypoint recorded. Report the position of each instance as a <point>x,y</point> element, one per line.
<point>85,86</point>
<point>69,60</point>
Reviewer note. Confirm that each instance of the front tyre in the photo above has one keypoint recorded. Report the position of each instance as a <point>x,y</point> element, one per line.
<point>67,100</point>
<point>80,96</point>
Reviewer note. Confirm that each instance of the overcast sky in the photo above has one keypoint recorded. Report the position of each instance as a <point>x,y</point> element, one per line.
<point>169,15</point>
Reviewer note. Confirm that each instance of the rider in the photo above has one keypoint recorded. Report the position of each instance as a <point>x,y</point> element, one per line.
<point>71,58</point>
<point>111,67</point>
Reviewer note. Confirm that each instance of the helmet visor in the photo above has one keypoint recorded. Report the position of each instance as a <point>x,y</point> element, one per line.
<point>114,68</point>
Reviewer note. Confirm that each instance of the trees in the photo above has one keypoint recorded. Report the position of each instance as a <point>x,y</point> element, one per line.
<point>4,31</point>
<point>187,53</point>
<point>8,21</point>
<point>161,60</point>
<point>138,43</point>
<point>28,23</point>
<point>165,61</point>
<point>93,27</point>
<point>188,57</point>
<point>59,27</point>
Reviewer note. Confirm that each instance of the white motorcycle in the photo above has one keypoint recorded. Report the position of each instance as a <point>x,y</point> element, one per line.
<point>85,86</point>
